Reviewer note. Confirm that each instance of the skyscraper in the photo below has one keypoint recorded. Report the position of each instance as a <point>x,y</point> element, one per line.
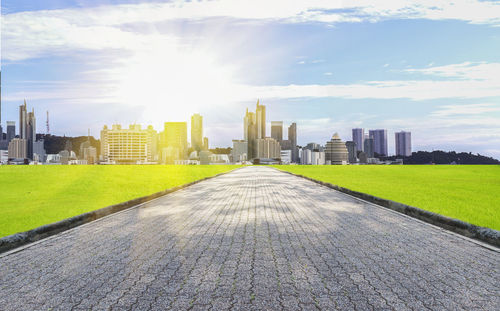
<point>31,132</point>
<point>251,133</point>
<point>11,130</point>
<point>277,130</point>
<point>379,141</point>
<point>260,115</point>
<point>351,149</point>
<point>174,137</point>
<point>248,121</point>
<point>403,143</point>
<point>197,132</point>
<point>358,136</point>
<point>369,148</point>
<point>17,148</point>
<point>267,148</point>
<point>292,137</point>
<point>23,121</point>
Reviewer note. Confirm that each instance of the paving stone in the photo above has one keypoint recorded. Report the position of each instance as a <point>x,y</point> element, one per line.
<point>253,239</point>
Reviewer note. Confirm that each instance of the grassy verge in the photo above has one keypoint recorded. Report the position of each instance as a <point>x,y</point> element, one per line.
<point>32,196</point>
<point>467,192</point>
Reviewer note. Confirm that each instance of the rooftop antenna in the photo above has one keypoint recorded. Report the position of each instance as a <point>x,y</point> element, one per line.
<point>47,123</point>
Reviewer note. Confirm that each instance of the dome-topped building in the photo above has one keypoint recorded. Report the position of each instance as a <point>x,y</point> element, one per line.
<point>336,151</point>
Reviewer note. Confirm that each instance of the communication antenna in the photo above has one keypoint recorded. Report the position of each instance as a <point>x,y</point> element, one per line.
<point>47,123</point>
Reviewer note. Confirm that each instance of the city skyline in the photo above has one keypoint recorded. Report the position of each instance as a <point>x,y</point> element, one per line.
<point>327,67</point>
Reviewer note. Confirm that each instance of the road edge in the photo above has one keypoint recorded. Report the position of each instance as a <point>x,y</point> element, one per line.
<point>19,239</point>
<point>483,234</point>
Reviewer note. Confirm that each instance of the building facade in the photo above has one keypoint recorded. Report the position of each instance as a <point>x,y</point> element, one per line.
<point>260,117</point>
<point>336,151</point>
<point>277,130</point>
<point>369,148</point>
<point>403,143</point>
<point>173,142</point>
<point>352,150</point>
<point>11,130</point>
<point>18,148</point>
<point>128,146</point>
<point>379,141</point>
<point>268,148</point>
<point>197,132</point>
<point>239,152</point>
<point>358,136</point>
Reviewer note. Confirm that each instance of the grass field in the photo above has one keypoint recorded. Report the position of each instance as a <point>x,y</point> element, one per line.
<point>31,196</point>
<point>467,192</point>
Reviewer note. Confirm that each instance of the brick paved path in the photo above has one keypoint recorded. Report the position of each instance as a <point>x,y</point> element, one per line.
<point>255,239</point>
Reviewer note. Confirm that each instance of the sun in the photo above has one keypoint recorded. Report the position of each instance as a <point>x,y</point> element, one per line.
<point>171,84</point>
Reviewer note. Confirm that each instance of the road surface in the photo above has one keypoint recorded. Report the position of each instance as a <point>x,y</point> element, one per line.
<point>253,239</point>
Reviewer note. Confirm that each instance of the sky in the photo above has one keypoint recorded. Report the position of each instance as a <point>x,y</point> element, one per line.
<point>431,67</point>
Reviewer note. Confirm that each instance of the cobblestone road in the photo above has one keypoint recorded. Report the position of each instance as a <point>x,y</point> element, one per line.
<point>254,239</point>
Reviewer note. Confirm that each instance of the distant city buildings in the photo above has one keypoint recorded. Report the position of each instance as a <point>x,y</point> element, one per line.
<point>358,137</point>
<point>277,130</point>
<point>11,130</point>
<point>197,132</point>
<point>369,148</point>
<point>351,149</point>
<point>18,148</point>
<point>128,146</point>
<point>379,141</point>
<point>336,151</point>
<point>268,148</point>
<point>239,152</point>
<point>173,142</point>
<point>25,146</point>
<point>312,154</point>
<point>403,143</point>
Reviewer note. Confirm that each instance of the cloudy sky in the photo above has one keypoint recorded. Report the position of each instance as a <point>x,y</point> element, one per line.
<point>431,67</point>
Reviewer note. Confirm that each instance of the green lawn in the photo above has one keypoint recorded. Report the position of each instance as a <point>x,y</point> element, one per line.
<point>467,192</point>
<point>31,196</point>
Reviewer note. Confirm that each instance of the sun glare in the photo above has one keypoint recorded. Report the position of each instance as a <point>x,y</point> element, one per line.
<point>172,84</point>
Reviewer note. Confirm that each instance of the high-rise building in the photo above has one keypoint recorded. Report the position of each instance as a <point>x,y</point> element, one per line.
<point>351,149</point>
<point>11,130</point>
<point>18,148</point>
<point>240,149</point>
<point>358,136</point>
<point>23,121</point>
<point>250,133</point>
<point>27,128</point>
<point>132,145</point>
<point>197,132</point>
<point>267,148</point>
<point>403,143</point>
<point>173,140</point>
<point>369,148</point>
<point>31,132</point>
<point>39,153</point>
<point>336,151</point>
<point>205,143</point>
<point>260,117</point>
<point>277,130</point>
<point>292,137</point>
<point>379,141</point>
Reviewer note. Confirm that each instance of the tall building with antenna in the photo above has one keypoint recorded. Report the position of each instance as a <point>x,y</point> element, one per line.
<point>47,123</point>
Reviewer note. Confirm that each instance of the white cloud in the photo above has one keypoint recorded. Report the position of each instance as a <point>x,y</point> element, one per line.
<point>464,71</point>
<point>472,109</point>
<point>31,34</point>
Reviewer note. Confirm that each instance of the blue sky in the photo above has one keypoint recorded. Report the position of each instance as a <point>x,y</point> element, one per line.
<point>429,67</point>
